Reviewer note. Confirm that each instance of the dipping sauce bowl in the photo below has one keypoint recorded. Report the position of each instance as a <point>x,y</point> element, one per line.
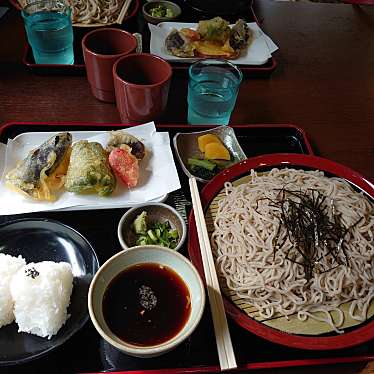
<point>145,301</point>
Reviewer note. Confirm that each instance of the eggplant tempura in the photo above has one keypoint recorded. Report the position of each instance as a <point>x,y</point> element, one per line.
<point>43,170</point>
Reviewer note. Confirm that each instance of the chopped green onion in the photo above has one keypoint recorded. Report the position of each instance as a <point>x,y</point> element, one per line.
<point>173,234</point>
<point>160,233</point>
<point>152,235</point>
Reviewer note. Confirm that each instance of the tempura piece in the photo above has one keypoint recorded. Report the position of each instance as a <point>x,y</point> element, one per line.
<point>240,35</point>
<point>206,48</point>
<point>179,44</point>
<point>89,170</point>
<point>120,138</point>
<point>43,170</point>
<point>215,30</point>
<point>125,166</point>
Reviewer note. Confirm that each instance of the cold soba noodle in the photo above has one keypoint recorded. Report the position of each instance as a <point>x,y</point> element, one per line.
<point>96,11</point>
<point>258,244</point>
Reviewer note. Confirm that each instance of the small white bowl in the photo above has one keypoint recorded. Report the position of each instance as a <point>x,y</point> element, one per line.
<point>156,212</point>
<point>138,255</point>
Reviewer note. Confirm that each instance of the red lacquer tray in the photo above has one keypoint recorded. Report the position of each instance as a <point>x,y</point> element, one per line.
<point>249,71</point>
<point>78,68</point>
<point>353,336</point>
<point>87,352</point>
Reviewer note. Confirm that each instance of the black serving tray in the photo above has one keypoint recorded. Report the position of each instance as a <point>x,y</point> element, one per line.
<point>88,352</point>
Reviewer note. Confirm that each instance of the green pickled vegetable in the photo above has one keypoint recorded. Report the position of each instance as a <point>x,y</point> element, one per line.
<point>222,164</point>
<point>204,169</point>
<point>206,164</point>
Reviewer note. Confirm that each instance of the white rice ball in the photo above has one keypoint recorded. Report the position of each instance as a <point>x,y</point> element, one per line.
<point>41,292</point>
<point>9,265</point>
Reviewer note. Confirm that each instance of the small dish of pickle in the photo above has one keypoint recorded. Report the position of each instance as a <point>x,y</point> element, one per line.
<point>204,154</point>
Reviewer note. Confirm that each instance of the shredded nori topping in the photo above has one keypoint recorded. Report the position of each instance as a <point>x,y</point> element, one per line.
<point>306,218</point>
<point>32,272</point>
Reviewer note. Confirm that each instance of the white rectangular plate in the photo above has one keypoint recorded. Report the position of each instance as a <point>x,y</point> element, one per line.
<point>151,175</point>
<point>258,52</point>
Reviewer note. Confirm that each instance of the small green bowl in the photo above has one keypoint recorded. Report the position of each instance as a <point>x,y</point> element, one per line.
<point>167,4</point>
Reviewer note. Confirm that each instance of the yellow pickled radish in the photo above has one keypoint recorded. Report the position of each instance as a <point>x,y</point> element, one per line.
<point>216,151</point>
<point>203,140</point>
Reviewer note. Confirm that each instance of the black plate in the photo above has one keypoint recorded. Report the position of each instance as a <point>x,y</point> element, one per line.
<point>47,240</point>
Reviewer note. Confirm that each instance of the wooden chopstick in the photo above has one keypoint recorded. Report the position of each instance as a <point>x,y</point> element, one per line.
<point>225,349</point>
<point>123,11</point>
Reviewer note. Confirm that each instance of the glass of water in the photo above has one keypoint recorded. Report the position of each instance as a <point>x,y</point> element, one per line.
<point>212,90</point>
<point>49,31</point>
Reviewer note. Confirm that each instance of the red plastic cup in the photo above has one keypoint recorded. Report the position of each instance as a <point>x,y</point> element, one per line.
<point>101,49</point>
<point>141,83</point>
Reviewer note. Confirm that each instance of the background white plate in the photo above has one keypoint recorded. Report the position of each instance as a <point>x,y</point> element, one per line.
<point>258,52</point>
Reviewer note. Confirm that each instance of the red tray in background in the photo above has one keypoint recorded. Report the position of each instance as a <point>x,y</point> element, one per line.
<point>78,68</point>
<point>140,26</point>
<point>198,353</point>
<point>249,71</point>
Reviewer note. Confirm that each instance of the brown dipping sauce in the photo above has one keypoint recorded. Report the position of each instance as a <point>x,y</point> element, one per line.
<point>146,304</point>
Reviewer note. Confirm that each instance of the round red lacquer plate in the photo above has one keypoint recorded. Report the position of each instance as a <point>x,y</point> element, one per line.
<point>355,335</point>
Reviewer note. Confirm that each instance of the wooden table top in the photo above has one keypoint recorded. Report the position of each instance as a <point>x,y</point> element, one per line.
<point>324,83</point>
